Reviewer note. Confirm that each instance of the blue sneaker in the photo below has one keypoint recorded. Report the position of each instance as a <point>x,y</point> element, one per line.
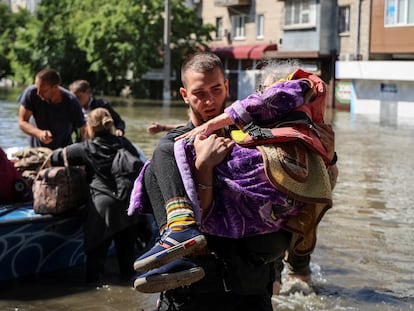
<point>172,245</point>
<point>176,273</point>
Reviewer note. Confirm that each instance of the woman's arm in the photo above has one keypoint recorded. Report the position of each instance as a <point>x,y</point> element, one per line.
<point>75,154</point>
<point>209,127</point>
<point>262,108</point>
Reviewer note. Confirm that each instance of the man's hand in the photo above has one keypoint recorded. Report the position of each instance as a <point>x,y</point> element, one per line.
<point>211,150</point>
<point>155,128</point>
<point>45,136</point>
<point>119,132</point>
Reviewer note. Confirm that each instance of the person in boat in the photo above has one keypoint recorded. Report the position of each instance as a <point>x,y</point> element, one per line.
<point>82,90</point>
<point>106,217</point>
<point>12,186</point>
<point>205,90</point>
<point>48,113</point>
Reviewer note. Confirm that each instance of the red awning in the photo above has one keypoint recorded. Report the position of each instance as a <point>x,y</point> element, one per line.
<point>243,51</point>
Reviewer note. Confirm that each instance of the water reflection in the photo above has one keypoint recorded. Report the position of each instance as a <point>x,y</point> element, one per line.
<point>137,115</point>
<point>363,259</point>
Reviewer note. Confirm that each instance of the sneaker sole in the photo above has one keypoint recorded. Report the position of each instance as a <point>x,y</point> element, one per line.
<point>178,251</point>
<point>162,282</point>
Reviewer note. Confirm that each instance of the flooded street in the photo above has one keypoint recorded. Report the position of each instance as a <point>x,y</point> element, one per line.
<point>364,257</point>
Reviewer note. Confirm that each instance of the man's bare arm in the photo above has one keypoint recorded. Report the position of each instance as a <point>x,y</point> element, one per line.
<point>45,136</point>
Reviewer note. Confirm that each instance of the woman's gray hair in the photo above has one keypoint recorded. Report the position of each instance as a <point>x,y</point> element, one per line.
<point>277,69</point>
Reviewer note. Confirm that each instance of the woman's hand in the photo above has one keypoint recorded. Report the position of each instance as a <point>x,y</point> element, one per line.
<point>202,130</point>
<point>208,127</point>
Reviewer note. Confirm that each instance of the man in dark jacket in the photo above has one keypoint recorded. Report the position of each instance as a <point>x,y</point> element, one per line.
<point>82,90</point>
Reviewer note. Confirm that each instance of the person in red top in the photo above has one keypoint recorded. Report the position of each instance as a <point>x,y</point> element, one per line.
<point>8,176</point>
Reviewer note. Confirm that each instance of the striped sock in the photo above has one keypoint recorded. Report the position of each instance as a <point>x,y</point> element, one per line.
<point>180,214</point>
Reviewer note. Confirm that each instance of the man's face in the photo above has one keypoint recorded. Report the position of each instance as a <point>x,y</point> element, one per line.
<point>83,97</point>
<point>206,94</point>
<point>45,91</point>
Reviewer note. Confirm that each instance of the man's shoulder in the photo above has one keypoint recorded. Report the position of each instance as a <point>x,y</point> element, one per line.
<point>168,140</point>
<point>30,89</point>
<point>179,131</point>
<point>69,97</point>
<point>99,103</point>
<point>28,93</point>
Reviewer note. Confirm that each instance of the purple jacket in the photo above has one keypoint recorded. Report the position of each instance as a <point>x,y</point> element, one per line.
<point>266,108</point>
<point>245,202</point>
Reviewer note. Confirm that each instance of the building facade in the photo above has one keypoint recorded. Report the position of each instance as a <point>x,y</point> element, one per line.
<point>378,82</point>
<point>363,49</point>
<point>246,30</point>
<point>250,31</point>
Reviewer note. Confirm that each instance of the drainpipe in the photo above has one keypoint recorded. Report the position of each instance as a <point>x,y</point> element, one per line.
<point>358,30</point>
<point>167,54</point>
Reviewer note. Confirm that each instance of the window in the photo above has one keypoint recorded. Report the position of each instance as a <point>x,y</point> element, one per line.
<point>344,18</point>
<point>399,12</point>
<point>219,28</point>
<point>300,13</point>
<point>260,26</point>
<point>238,26</point>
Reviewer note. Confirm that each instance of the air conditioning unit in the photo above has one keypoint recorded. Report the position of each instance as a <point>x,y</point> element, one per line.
<point>350,57</point>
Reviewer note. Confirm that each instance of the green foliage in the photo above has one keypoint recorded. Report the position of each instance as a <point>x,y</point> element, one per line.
<point>109,42</point>
<point>10,24</point>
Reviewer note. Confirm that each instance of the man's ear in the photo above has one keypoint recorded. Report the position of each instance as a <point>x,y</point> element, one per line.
<point>226,84</point>
<point>183,93</point>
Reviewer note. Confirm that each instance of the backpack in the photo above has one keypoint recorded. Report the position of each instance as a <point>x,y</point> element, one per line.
<point>125,169</point>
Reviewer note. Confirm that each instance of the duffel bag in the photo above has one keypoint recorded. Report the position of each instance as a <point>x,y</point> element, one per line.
<point>59,189</point>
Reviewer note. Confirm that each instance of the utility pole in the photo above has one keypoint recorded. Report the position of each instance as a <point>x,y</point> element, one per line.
<point>167,55</point>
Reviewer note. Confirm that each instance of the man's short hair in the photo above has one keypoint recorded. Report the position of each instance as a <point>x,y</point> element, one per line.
<point>79,86</point>
<point>201,62</point>
<point>49,76</point>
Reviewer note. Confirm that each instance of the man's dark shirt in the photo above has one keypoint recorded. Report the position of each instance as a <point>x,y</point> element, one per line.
<point>60,119</point>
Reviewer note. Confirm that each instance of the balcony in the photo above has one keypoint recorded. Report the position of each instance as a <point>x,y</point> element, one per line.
<point>229,3</point>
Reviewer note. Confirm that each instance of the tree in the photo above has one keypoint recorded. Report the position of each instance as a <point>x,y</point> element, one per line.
<point>109,42</point>
<point>124,38</point>
<point>9,24</point>
<point>47,42</point>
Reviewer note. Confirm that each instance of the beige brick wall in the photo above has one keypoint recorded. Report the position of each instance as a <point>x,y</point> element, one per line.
<point>273,25</point>
<point>348,46</point>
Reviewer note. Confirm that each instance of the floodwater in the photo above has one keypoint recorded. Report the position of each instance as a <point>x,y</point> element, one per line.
<point>364,257</point>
